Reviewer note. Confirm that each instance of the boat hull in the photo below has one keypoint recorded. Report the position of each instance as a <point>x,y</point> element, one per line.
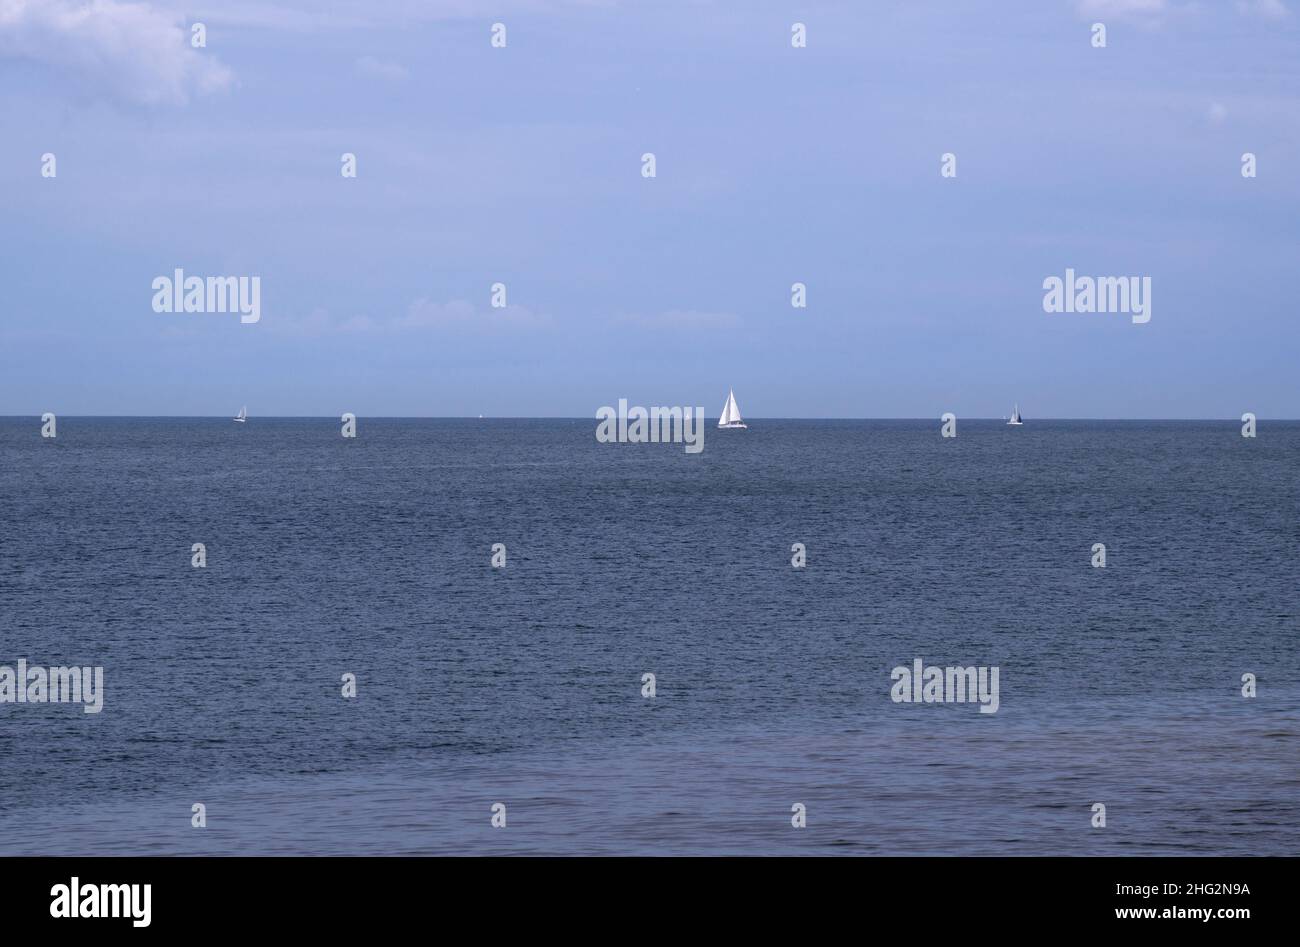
<point>733,426</point>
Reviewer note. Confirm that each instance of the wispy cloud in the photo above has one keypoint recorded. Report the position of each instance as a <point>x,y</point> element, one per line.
<point>459,314</point>
<point>381,69</point>
<point>1154,10</point>
<point>131,51</point>
<point>319,322</point>
<point>1269,9</point>
<point>1122,8</point>
<point>683,319</point>
<point>339,15</point>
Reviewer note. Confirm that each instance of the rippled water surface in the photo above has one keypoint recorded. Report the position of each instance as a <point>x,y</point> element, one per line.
<point>371,556</point>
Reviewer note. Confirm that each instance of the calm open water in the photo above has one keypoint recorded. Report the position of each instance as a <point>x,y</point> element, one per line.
<point>523,686</point>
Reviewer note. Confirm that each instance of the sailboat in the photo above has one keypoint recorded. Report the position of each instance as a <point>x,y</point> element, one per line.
<point>243,415</point>
<point>1015,416</point>
<point>731,413</point>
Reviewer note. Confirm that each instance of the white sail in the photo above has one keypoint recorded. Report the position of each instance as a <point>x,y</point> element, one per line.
<point>1015,415</point>
<point>731,413</point>
<point>243,414</point>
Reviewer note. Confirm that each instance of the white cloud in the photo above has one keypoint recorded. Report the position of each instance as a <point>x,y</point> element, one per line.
<point>381,69</point>
<point>132,51</point>
<point>1217,113</point>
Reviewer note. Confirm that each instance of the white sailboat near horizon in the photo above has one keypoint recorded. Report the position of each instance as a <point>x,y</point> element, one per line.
<point>243,415</point>
<point>731,413</point>
<point>1015,416</point>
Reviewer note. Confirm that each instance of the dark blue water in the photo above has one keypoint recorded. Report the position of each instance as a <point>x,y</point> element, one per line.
<point>523,685</point>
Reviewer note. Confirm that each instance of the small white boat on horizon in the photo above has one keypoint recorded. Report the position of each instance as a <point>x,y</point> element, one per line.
<point>731,413</point>
<point>243,415</point>
<point>1015,416</point>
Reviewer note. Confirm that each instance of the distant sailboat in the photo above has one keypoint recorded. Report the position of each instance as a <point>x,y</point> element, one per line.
<point>243,415</point>
<point>1015,416</point>
<point>731,413</point>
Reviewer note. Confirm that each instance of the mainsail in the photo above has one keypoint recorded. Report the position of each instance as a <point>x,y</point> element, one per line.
<point>731,412</point>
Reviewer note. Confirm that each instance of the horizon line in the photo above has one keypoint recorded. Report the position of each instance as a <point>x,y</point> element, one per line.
<point>567,417</point>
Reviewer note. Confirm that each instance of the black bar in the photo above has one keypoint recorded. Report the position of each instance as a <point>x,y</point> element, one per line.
<point>945,896</point>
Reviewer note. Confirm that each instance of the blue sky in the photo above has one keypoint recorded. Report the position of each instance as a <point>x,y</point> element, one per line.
<point>774,165</point>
